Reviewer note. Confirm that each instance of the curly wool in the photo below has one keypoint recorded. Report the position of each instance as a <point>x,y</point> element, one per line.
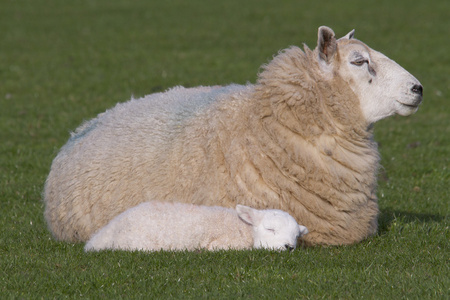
<point>294,141</point>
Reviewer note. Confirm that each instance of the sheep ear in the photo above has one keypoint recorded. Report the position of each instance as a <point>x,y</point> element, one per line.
<point>248,215</point>
<point>350,35</point>
<point>326,44</point>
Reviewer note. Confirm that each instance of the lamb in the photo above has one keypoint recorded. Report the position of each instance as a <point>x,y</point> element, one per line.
<point>153,226</point>
<point>300,140</point>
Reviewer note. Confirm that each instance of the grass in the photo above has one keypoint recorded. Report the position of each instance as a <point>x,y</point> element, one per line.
<point>62,62</point>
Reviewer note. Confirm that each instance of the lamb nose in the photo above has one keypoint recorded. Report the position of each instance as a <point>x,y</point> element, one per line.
<point>289,247</point>
<point>417,89</point>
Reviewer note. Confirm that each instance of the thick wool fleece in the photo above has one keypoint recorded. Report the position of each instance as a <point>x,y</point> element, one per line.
<point>294,141</point>
<point>153,226</point>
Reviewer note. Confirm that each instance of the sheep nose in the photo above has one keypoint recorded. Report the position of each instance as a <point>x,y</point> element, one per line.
<point>289,247</point>
<point>417,89</point>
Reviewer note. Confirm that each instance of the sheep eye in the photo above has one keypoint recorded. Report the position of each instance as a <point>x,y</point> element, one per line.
<point>359,62</point>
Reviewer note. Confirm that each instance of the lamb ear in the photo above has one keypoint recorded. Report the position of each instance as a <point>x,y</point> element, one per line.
<point>326,43</point>
<point>303,230</point>
<point>248,215</point>
<point>350,35</point>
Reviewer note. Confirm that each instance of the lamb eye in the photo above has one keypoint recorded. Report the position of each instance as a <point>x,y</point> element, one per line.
<point>359,62</point>
<point>271,230</point>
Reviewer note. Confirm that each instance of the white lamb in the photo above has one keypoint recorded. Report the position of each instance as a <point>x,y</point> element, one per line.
<point>156,226</point>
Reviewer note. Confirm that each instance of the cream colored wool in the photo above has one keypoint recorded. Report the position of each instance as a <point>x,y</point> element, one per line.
<point>297,140</point>
<point>153,226</point>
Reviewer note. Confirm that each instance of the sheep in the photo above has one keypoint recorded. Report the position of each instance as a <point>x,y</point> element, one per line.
<point>153,226</point>
<point>300,140</point>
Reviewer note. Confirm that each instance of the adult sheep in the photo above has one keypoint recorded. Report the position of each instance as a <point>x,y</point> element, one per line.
<point>299,140</point>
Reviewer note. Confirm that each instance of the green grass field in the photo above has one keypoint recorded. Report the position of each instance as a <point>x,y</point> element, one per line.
<point>62,62</point>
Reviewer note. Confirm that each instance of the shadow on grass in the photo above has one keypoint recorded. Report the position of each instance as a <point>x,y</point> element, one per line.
<point>388,216</point>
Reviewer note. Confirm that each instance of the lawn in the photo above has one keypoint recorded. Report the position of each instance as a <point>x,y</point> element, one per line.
<point>62,62</point>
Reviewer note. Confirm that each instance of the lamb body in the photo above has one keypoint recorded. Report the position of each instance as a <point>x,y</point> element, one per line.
<point>156,226</point>
<point>299,140</point>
